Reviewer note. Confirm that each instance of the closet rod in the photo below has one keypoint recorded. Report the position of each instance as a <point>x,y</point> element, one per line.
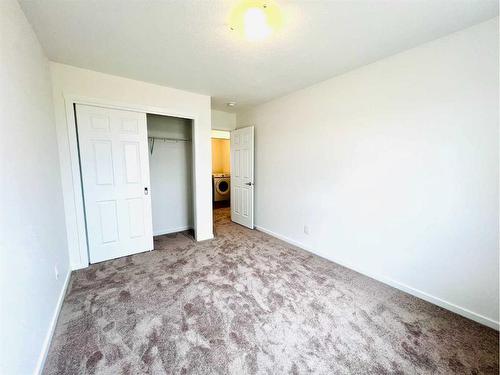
<point>152,146</point>
<point>171,139</point>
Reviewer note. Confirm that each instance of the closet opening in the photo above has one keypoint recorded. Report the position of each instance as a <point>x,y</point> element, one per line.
<point>171,177</point>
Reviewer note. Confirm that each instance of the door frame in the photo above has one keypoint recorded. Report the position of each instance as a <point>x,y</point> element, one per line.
<point>77,197</point>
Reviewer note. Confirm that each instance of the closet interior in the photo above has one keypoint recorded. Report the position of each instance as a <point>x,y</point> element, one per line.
<point>171,173</point>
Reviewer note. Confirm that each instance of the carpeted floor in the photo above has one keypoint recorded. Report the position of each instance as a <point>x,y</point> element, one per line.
<point>246,303</point>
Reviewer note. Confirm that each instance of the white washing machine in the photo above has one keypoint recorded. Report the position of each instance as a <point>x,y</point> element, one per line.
<point>222,186</point>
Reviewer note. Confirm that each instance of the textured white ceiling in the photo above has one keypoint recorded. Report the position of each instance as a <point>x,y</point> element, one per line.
<point>187,44</point>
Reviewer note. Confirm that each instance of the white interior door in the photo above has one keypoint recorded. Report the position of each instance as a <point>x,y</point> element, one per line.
<point>115,173</point>
<point>242,173</point>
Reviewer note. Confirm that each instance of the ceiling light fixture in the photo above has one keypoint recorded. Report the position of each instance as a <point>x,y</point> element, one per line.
<point>231,104</point>
<point>255,24</point>
<point>255,20</point>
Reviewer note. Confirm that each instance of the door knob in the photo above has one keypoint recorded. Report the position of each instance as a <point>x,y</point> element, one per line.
<point>146,191</point>
<point>249,183</point>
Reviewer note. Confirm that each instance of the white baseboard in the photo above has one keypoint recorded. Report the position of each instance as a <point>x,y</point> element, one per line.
<point>396,284</point>
<point>52,327</point>
<point>171,230</point>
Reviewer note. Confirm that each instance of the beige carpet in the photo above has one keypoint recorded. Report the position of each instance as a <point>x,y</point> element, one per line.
<point>246,303</point>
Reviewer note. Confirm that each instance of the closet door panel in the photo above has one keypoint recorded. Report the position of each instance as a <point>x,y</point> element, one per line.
<point>115,174</point>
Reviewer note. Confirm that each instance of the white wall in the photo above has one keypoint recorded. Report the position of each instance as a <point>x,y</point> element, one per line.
<point>223,120</point>
<point>170,168</point>
<point>70,81</point>
<point>395,169</point>
<point>32,230</point>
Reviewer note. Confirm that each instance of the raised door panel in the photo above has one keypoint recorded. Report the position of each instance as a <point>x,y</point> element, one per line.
<point>237,203</point>
<point>129,126</point>
<point>136,217</point>
<point>100,123</point>
<point>108,221</point>
<point>132,162</point>
<point>236,172</point>
<point>103,162</point>
<point>244,202</point>
<point>244,164</point>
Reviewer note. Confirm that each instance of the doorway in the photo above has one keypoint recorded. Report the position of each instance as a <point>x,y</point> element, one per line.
<point>233,175</point>
<point>221,169</point>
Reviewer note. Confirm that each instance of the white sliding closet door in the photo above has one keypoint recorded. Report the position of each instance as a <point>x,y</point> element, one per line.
<point>115,172</point>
